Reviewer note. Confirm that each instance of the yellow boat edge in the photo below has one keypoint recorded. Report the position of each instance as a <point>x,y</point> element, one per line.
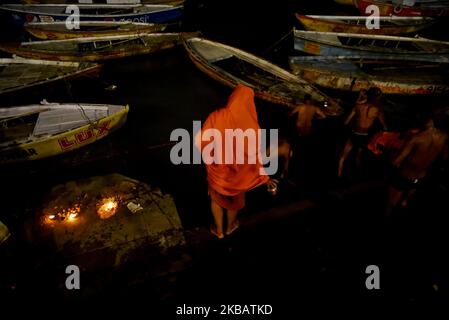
<point>65,141</point>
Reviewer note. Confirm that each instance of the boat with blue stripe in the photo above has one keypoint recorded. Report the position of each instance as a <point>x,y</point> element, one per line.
<point>23,13</point>
<point>352,44</point>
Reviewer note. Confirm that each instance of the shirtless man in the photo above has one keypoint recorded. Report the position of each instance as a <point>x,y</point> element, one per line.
<point>413,162</point>
<point>365,112</point>
<point>305,113</point>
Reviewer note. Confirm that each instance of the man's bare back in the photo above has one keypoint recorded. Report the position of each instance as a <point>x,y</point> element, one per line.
<point>306,112</point>
<point>366,111</point>
<point>420,152</point>
<point>365,115</point>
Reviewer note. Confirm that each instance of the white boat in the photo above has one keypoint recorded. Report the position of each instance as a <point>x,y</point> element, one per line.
<point>232,66</point>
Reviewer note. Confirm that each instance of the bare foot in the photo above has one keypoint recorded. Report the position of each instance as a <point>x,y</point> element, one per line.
<point>233,227</point>
<point>213,230</point>
<point>404,204</point>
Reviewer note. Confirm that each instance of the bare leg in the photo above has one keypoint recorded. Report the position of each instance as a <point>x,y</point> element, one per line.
<point>407,198</point>
<point>358,159</point>
<point>285,162</point>
<point>344,154</point>
<point>394,196</point>
<point>217,212</point>
<point>232,221</point>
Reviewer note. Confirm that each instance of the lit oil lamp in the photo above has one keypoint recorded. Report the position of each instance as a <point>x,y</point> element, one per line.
<point>107,208</point>
<point>63,215</point>
<point>72,216</point>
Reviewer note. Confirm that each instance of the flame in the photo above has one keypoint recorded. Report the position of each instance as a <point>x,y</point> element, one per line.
<point>72,216</point>
<point>108,207</point>
<point>63,214</point>
<point>49,219</point>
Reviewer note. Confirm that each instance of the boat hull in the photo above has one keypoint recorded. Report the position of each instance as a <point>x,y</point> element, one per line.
<point>265,94</point>
<point>322,47</point>
<point>162,41</point>
<point>170,2</point>
<point>345,2</point>
<point>315,24</point>
<point>64,142</point>
<point>388,9</point>
<point>21,16</point>
<point>355,81</point>
<point>55,34</point>
<point>34,77</point>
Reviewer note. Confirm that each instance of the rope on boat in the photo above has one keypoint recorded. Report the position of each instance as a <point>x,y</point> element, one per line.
<point>97,79</point>
<point>161,145</point>
<point>81,109</point>
<point>277,42</point>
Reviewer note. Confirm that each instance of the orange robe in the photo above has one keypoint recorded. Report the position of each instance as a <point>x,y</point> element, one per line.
<point>240,113</point>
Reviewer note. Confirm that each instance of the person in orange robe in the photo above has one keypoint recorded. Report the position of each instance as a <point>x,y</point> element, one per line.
<point>228,182</point>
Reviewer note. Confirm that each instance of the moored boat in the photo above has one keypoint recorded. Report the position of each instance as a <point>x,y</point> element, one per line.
<point>432,8</point>
<point>39,131</point>
<point>170,2</point>
<point>94,49</point>
<point>232,66</point>
<point>334,43</point>
<point>363,24</point>
<point>22,13</point>
<point>89,29</point>
<point>390,75</point>
<point>19,74</point>
<point>345,2</point>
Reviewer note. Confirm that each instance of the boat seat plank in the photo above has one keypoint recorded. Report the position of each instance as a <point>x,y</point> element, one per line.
<point>212,54</point>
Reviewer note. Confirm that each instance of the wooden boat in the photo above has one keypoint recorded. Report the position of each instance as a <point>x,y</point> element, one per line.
<point>358,24</point>
<point>22,13</point>
<point>390,75</point>
<point>89,29</point>
<point>345,2</point>
<point>39,131</point>
<point>94,49</point>
<point>18,74</point>
<point>421,8</point>
<point>334,43</point>
<point>232,66</point>
<point>170,2</point>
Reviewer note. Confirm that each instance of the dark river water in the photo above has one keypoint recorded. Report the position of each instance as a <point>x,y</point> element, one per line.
<point>166,91</point>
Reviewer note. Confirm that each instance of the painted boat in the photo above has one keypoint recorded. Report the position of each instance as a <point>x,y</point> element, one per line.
<point>89,29</point>
<point>334,43</point>
<point>359,24</point>
<point>22,13</point>
<point>232,66</point>
<point>94,49</point>
<point>39,131</point>
<point>170,2</point>
<point>78,1</point>
<point>390,75</point>
<point>405,8</point>
<point>345,2</point>
<point>18,74</point>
